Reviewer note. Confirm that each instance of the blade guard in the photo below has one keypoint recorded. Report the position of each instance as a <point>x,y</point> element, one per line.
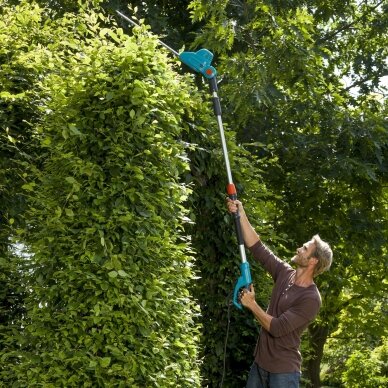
<point>244,281</point>
<point>199,61</point>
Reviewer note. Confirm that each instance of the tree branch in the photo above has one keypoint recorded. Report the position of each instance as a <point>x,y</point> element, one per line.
<point>359,82</point>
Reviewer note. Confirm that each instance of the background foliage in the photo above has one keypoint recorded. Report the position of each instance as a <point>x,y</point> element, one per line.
<point>107,153</point>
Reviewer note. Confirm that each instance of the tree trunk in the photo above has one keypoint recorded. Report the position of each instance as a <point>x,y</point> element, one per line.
<point>318,335</point>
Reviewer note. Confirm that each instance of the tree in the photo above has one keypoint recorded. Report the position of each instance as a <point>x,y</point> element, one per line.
<point>284,66</point>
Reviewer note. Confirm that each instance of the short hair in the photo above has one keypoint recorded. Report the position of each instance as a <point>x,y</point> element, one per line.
<point>323,253</point>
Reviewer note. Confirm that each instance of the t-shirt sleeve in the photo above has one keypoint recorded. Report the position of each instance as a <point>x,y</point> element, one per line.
<point>299,315</point>
<point>268,259</point>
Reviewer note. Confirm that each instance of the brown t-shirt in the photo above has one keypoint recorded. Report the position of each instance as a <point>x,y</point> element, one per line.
<point>292,308</point>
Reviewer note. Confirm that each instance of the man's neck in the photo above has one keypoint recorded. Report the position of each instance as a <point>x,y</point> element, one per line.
<point>303,277</point>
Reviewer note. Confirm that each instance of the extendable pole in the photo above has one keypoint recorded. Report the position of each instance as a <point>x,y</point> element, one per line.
<point>135,24</point>
<point>245,279</point>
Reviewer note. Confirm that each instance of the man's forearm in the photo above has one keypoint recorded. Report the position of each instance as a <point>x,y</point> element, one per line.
<point>249,234</point>
<point>263,318</point>
<point>247,297</point>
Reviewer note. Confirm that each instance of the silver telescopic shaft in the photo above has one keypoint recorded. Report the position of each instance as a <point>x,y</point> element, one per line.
<point>135,24</point>
<point>217,111</point>
<point>224,149</point>
<point>229,175</point>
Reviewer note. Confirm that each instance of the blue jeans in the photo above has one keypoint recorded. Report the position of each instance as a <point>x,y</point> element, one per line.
<point>260,378</point>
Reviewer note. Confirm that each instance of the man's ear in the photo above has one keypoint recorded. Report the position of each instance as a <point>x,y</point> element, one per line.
<point>315,259</point>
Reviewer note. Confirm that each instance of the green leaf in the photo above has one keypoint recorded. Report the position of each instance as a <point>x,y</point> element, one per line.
<point>179,344</point>
<point>69,212</point>
<point>29,186</point>
<point>105,362</point>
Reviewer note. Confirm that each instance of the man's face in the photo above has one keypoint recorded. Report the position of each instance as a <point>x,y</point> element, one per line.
<point>303,254</point>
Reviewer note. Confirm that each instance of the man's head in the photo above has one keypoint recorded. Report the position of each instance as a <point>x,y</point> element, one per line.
<point>315,254</point>
<point>323,254</point>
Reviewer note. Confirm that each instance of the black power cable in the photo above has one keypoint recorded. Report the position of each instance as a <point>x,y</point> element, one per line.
<point>229,302</point>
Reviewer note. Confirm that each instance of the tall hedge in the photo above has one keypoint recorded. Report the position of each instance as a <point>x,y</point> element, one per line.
<point>109,302</point>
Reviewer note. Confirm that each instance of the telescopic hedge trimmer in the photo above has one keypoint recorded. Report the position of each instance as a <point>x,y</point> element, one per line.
<point>200,62</point>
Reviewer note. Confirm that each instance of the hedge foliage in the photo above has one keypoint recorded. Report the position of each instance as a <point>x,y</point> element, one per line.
<point>108,301</point>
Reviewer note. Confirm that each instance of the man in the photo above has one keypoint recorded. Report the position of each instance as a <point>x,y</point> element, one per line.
<point>295,302</point>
